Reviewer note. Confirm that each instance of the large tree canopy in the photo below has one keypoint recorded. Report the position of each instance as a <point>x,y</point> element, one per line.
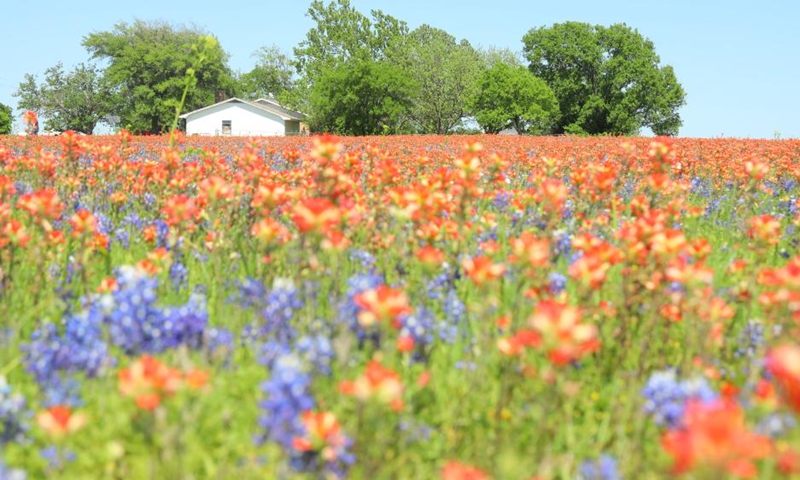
<point>444,72</point>
<point>5,119</point>
<point>343,34</point>
<point>76,100</point>
<point>150,64</point>
<point>343,67</point>
<point>360,98</point>
<point>272,76</point>
<point>509,96</point>
<point>606,79</point>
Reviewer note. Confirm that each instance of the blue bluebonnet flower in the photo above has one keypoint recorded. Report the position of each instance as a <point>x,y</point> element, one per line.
<point>104,224</point>
<point>148,199</point>
<point>558,282</point>
<point>364,258</point>
<point>562,245</point>
<point>317,352</point>
<point>7,473</point>
<point>287,396</point>
<point>136,324</point>
<point>14,414</point>
<point>439,285</point>
<point>603,468</point>
<point>272,350</point>
<point>281,304</point>
<point>415,431</point>
<point>132,219</point>
<point>461,365</point>
<point>162,232</point>
<point>56,457</point>
<point>122,237</point>
<point>62,390</point>
<point>666,396</point>
<point>250,293</point>
<point>776,424</point>
<point>178,275</point>
<point>218,339</point>
<point>751,339</point>
<point>80,348</point>
<point>420,327</point>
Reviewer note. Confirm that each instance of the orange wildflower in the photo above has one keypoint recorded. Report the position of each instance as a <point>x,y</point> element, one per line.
<point>381,304</point>
<point>714,437</point>
<point>315,215</point>
<point>378,383</point>
<point>148,380</point>
<point>563,337</point>
<point>481,269</point>
<point>784,364</point>
<point>58,421</point>
<point>323,435</point>
<point>458,471</point>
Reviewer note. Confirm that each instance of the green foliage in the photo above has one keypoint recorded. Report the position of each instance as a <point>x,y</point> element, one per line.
<point>444,72</point>
<point>148,63</point>
<point>606,79</point>
<point>272,76</point>
<point>5,119</point>
<point>509,96</point>
<point>344,34</point>
<point>76,100</point>
<point>361,98</point>
<point>492,55</point>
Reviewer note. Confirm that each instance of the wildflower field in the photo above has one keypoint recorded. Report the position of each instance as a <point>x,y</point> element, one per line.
<point>399,308</point>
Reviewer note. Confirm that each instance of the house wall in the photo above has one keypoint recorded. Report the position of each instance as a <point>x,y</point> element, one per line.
<point>245,120</point>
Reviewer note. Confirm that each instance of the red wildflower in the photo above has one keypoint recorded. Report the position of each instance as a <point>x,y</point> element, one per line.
<point>481,269</point>
<point>381,304</point>
<point>147,380</point>
<point>715,437</point>
<point>458,471</point>
<point>563,337</point>
<point>323,435</point>
<point>315,215</point>
<point>784,363</point>
<point>378,383</point>
<point>58,421</point>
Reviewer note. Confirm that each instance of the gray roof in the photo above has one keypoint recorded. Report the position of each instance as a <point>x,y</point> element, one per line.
<point>272,103</point>
<point>266,105</point>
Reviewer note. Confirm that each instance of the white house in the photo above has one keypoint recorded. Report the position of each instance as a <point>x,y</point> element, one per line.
<point>237,117</point>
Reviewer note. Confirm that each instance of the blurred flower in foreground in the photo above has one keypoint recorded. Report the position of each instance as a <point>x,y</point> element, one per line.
<point>714,438</point>
<point>458,471</point>
<point>58,421</point>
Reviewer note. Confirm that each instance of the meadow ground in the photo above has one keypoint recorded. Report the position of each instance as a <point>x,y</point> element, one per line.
<point>399,307</point>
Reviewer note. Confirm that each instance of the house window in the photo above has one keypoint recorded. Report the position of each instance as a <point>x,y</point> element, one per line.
<point>226,127</point>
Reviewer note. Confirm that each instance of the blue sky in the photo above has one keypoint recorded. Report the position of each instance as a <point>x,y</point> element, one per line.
<point>739,61</point>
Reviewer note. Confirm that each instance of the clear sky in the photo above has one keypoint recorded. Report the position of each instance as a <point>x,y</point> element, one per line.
<point>739,61</point>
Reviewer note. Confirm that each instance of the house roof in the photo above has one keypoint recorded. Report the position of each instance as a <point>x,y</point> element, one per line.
<point>273,104</point>
<point>261,104</point>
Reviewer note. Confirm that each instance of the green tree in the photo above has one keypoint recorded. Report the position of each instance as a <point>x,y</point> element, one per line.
<point>337,52</point>
<point>444,72</point>
<point>360,98</point>
<point>5,119</point>
<point>272,76</point>
<point>606,79</point>
<point>491,55</point>
<point>343,34</point>
<point>509,96</point>
<point>149,63</point>
<point>77,100</point>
